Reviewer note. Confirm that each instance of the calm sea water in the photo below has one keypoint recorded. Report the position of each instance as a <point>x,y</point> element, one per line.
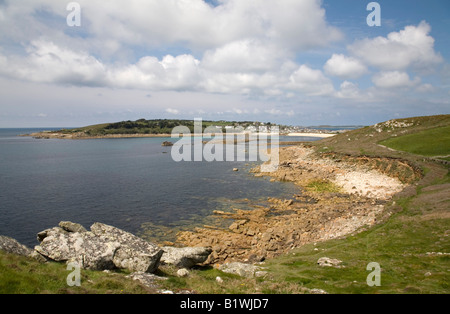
<point>122,182</point>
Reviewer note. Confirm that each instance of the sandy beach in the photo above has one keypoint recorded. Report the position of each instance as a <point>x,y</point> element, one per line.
<point>324,135</point>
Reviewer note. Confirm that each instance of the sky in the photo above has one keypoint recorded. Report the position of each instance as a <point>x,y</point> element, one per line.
<point>293,62</point>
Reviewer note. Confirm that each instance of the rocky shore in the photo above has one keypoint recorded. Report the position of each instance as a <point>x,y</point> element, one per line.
<point>336,197</point>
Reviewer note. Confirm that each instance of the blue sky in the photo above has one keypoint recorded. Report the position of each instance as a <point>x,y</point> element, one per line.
<point>298,62</point>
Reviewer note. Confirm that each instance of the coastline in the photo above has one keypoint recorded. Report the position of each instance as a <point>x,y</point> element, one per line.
<point>350,198</point>
<point>81,136</point>
<point>353,197</point>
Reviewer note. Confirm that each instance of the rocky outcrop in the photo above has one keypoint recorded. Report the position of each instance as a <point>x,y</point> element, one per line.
<point>83,248</point>
<point>71,226</point>
<point>104,247</point>
<point>12,246</point>
<point>185,257</point>
<point>133,252</point>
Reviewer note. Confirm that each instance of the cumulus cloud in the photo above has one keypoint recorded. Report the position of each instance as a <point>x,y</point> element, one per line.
<point>232,47</point>
<point>249,51</point>
<point>243,56</point>
<point>394,79</point>
<point>172,73</point>
<point>291,24</point>
<point>172,111</point>
<point>311,82</point>
<point>348,90</point>
<point>411,47</point>
<point>278,112</point>
<point>46,62</point>
<point>294,23</point>
<point>345,67</point>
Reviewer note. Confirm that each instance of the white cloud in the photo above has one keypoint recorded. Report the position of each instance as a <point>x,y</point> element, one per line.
<point>345,67</point>
<point>394,79</point>
<point>293,23</point>
<point>172,111</point>
<point>311,82</point>
<point>171,73</point>
<point>243,56</point>
<point>426,88</point>
<point>278,112</point>
<point>243,53</point>
<point>348,90</point>
<point>46,62</point>
<point>243,47</point>
<point>412,46</point>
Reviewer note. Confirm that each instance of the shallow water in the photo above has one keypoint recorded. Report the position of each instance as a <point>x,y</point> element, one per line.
<point>128,183</point>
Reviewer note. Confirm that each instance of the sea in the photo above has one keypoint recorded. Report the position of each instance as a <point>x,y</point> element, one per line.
<point>130,183</point>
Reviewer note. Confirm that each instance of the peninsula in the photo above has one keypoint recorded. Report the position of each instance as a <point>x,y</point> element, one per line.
<point>164,127</point>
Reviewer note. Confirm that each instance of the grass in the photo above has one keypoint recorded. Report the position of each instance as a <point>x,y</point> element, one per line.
<point>23,275</point>
<point>365,140</point>
<point>322,186</point>
<point>432,142</point>
<point>402,256</point>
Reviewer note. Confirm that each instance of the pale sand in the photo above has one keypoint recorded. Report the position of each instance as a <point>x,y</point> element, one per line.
<point>312,134</point>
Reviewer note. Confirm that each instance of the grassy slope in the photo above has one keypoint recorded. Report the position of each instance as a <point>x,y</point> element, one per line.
<point>22,275</point>
<point>365,141</point>
<point>420,224</point>
<point>432,142</point>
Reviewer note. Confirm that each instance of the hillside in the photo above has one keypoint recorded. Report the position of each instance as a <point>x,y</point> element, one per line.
<point>372,140</point>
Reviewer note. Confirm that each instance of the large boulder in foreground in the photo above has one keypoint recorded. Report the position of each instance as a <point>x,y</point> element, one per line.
<point>133,252</point>
<point>104,247</point>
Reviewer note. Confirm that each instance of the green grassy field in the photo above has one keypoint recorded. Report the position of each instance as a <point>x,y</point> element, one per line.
<point>433,142</point>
